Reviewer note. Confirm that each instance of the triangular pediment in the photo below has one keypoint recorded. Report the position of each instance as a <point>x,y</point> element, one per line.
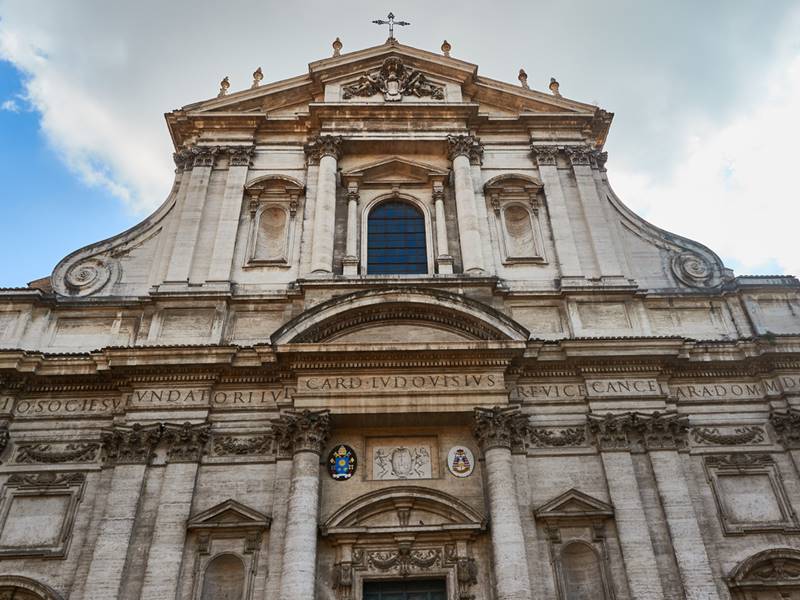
<point>574,504</point>
<point>394,170</point>
<point>229,514</point>
<point>306,88</point>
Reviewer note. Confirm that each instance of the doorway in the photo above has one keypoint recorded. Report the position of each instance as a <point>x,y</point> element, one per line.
<point>425,589</point>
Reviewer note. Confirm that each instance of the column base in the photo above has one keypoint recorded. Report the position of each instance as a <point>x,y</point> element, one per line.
<point>444,265</point>
<point>350,265</point>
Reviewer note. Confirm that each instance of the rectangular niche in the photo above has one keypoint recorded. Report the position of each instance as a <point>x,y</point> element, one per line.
<point>749,493</point>
<point>37,514</point>
<point>402,458</point>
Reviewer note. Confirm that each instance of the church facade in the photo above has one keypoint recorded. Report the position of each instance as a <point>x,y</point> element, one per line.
<point>392,336</point>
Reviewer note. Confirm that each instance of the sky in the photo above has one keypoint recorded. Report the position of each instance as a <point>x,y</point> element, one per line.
<point>705,96</point>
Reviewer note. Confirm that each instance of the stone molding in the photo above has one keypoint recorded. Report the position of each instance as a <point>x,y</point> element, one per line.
<point>465,145</point>
<point>324,145</point>
<point>186,442</point>
<point>131,445</point>
<point>4,436</point>
<point>305,431</point>
<point>639,432</point>
<point>774,569</point>
<point>500,427</point>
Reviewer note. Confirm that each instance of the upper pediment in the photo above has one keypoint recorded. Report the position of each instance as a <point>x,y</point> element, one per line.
<point>229,515</point>
<point>391,73</point>
<point>574,505</point>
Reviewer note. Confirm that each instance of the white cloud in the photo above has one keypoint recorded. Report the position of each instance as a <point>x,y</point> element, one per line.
<point>10,105</point>
<point>736,187</point>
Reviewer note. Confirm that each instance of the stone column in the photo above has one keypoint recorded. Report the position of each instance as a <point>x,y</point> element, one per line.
<point>496,430</point>
<point>444,261</point>
<point>304,434</point>
<point>600,229</point>
<point>222,256</point>
<point>185,444</point>
<point>663,435</point>
<point>463,149</point>
<point>191,213</point>
<point>612,435</point>
<point>128,449</point>
<point>327,149</point>
<point>350,261</point>
<point>563,236</point>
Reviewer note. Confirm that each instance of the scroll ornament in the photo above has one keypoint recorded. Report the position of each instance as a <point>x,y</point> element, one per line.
<point>693,269</point>
<point>394,80</point>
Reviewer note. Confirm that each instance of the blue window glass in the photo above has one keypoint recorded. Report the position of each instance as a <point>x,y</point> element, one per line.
<point>396,240</point>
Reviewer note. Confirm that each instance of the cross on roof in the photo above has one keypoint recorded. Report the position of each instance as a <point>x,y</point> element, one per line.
<point>391,23</point>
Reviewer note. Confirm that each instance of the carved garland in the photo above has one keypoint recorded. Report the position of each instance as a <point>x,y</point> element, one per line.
<point>243,446</point>
<point>741,435</point>
<point>46,454</point>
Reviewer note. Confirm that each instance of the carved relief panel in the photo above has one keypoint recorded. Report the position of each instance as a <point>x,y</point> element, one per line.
<point>402,458</point>
<point>38,512</point>
<point>749,493</point>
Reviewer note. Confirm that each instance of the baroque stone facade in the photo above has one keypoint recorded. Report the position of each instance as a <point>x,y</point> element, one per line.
<point>392,327</point>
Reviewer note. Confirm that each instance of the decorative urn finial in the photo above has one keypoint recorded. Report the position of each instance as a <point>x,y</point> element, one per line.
<point>337,47</point>
<point>258,75</point>
<point>523,79</point>
<point>446,47</point>
<point>224,85</point>
<point>554,87</point>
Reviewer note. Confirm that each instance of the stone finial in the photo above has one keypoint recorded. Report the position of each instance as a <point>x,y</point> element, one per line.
<point>258,75</point>
<point>554,87</point>
<point>224,86</point>
<point>500,427</point>
<point>305,431</point>
<point>446,47</point>
<point>337,47</point>
<point>523,79</point>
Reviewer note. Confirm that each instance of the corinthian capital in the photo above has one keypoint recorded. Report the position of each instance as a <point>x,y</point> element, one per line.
<point>130,445</point>
<point>545,155</point>
<point>578,155</point>
<point>305,431</point>
<point>325,145</point>
<point>465,145</point>
<point>787,425</point>
<point>500,428</point>
<point>240,156</point>
<point>639,432</point>
<point>185,443</point>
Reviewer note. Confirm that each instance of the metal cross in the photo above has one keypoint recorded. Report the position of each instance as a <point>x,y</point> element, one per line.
<point>391,23</point>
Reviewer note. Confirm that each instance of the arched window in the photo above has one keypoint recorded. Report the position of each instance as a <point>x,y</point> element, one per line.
<point>224,579</point>
<point>396,239</point>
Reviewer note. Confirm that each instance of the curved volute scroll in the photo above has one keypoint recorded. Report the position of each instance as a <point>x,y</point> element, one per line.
<point>452,315</point>
<point>769,573</point>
